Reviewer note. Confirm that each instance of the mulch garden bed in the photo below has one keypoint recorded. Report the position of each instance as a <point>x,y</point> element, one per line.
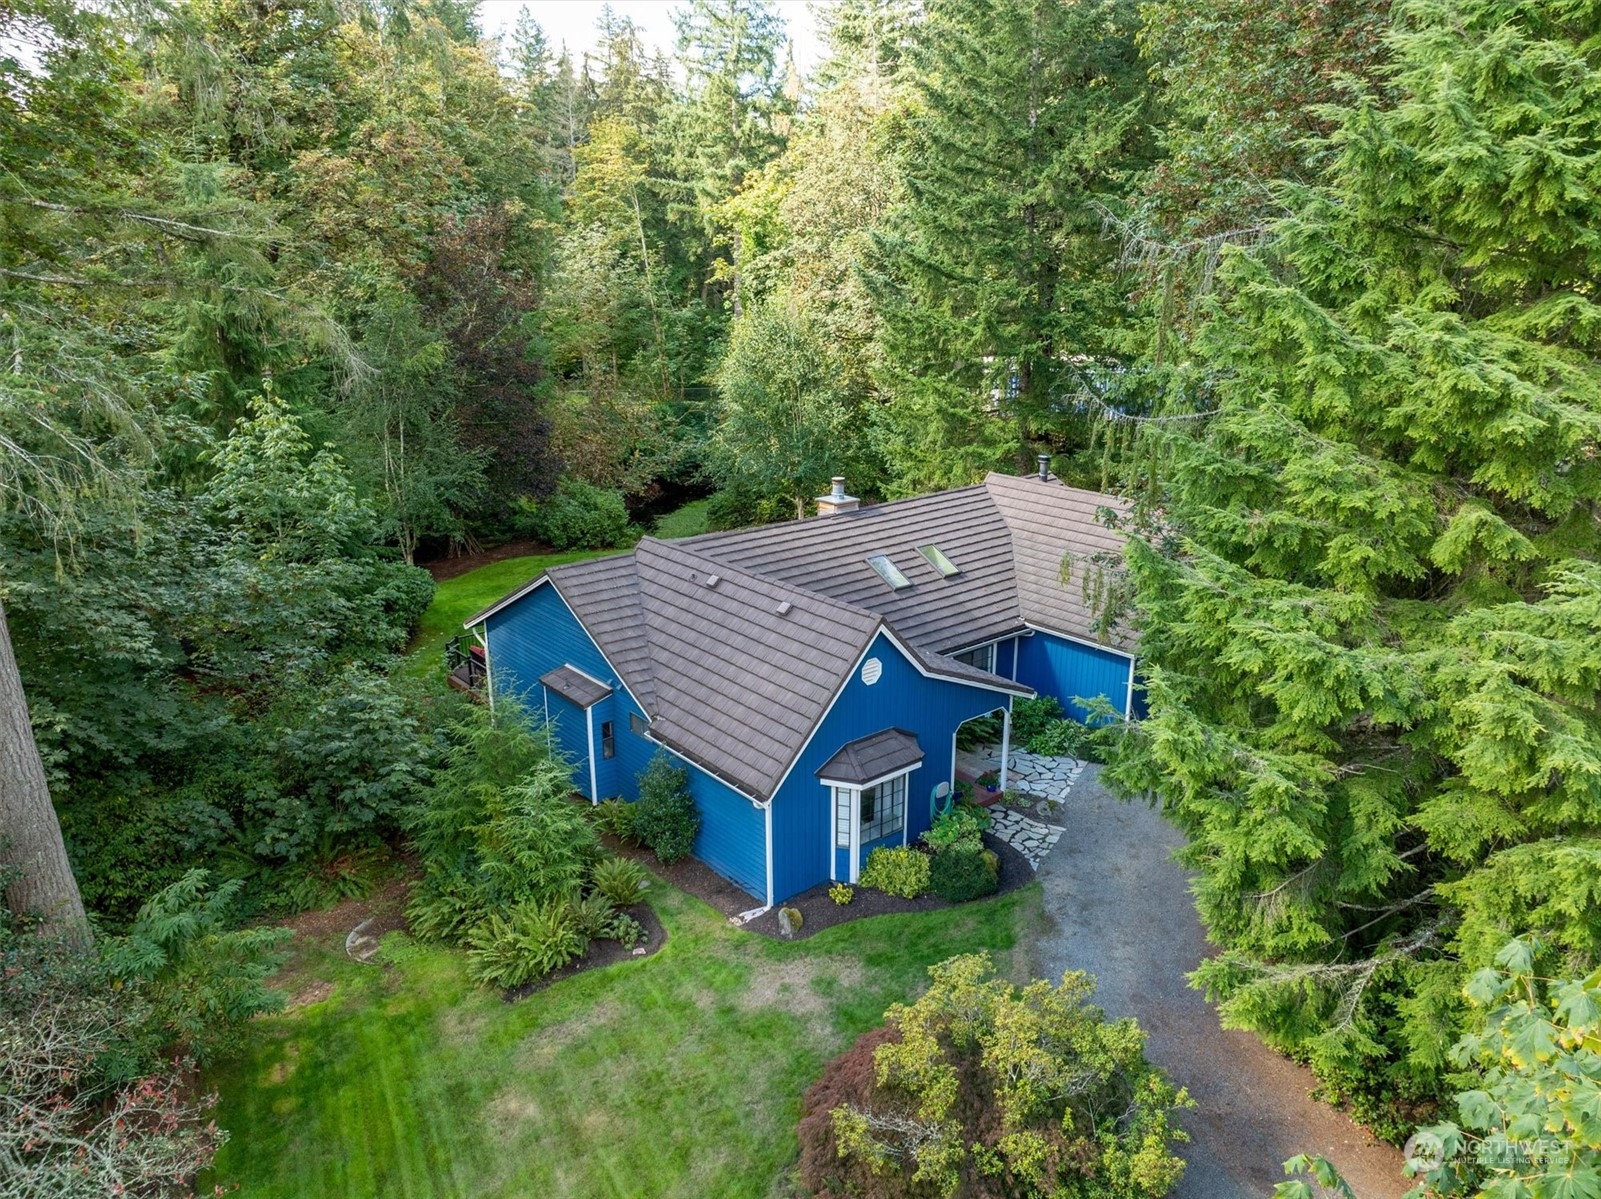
<point>817,910</point>
<point>460,564</point>
<point>601,953</point>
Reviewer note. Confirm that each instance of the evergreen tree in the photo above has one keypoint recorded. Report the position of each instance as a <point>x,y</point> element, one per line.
<point>734,115</point>
<point>1024,119</point>
<point>1368,585</point>
<point>1246,83</point>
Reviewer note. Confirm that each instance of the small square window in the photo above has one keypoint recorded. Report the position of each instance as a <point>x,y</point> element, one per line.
<point>608,739</point>
<point>888,571</point>
<point>983,657</point>
<point>937,559</point>
<point>638,725</point>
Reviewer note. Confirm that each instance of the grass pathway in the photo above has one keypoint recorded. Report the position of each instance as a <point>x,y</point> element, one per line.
<point>457,599</point>
<point>675,1075</point>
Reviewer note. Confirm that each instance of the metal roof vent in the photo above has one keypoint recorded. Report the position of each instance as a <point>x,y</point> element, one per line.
<point>713,580</point>
<point>1045,468</point>
<point>783,608</point>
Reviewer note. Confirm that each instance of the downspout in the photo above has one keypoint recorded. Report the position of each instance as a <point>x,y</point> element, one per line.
<point>594,783</point>
<point>1128,704</point>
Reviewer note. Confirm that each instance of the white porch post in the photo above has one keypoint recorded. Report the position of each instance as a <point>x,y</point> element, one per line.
<point>1006,740</point>
<point>856,835</point>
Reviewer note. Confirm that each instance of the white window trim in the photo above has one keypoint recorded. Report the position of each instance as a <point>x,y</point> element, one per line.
<point>854,790</point>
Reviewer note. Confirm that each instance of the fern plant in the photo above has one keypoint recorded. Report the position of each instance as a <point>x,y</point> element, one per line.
<point>592,914</point>
<point>527,942</point>
<point>620,880</point>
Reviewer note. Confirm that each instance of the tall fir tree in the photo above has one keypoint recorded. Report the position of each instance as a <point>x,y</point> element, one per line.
<point>1024,119</point>
<point>1368,585</point>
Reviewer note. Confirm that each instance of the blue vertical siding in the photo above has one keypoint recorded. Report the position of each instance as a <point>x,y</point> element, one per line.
<point>1006,658</point>
<point>1057,666</point>
<point>901,698</point>
<point>535,635</point>
<point>733,833</point>
<point>570,735</point>
<point>539,633</point>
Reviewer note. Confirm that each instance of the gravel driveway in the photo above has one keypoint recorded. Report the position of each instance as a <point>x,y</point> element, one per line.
<point>1117,906</point>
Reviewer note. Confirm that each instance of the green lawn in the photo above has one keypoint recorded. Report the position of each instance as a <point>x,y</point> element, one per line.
<point>676,1075</point>
<point>457,599</point>
<point>687,521</point>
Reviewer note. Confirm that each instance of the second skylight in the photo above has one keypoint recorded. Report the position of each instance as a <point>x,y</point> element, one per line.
<point>937,559</point>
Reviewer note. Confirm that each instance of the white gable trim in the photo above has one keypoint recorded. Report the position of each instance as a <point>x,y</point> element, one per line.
<point>845,682</point>
<point>999,684</point>
<point>821,720</point>
<point>483,614</point>
<point>1111,649</point>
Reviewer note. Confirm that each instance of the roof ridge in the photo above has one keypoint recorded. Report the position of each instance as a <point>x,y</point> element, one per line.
<point>725,535</point>
<point>718,566</point>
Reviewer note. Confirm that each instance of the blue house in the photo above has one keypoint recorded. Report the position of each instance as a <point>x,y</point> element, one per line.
<point>811,676</point>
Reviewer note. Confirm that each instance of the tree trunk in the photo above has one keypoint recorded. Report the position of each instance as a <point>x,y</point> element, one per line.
<point>30,835</point>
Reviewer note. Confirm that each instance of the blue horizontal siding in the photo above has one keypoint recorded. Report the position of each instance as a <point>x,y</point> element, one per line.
<point>1070,670</point>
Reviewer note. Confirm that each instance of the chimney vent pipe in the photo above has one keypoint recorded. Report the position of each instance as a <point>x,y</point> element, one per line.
<point>836,501</point>
<point>1045,468</point>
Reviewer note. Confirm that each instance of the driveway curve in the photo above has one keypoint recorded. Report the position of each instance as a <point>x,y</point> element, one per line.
<point>1118,906</point>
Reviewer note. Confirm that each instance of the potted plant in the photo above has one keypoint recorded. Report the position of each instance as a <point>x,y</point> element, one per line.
<point>988,787</point>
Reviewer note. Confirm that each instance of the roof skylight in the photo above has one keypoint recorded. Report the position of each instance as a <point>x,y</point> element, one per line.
<point>937,559</point>
<point>888,571</point>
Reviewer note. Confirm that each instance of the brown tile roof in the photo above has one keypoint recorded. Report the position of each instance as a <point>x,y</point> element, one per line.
<point>575,685</point>
<point>1051,525</point>
<point>872,757</point>
<point>736,673</point>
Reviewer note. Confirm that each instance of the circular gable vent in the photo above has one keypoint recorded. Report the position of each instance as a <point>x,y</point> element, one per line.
<point>871,669</point>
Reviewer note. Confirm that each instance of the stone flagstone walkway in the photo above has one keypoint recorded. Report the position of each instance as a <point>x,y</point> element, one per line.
<point>1032,774</point>
<point>1031,838</point>
<point>1046,779</point>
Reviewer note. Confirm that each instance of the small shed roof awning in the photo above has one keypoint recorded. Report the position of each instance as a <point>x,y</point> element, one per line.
<point>573,684</point>
<point>872,757</point>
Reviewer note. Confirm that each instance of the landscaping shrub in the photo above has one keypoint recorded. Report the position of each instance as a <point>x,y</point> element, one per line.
<point>931,1103</point>
<point>593,915</point>
<point>615,816</point>
<point>1031,717</point>
<point>963,823</point>
<point>620,880</point>
<point>963,872</point>
<point>626,931</point>
<point>841,893</point>
<point>525,943</point>
<point>202,977</point>
<point>665,817</point>
<point>497,828</point>
<point>901,871</point>
<point>579,516</point>
<point>1055,739</point>
<point>1039,726</point>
